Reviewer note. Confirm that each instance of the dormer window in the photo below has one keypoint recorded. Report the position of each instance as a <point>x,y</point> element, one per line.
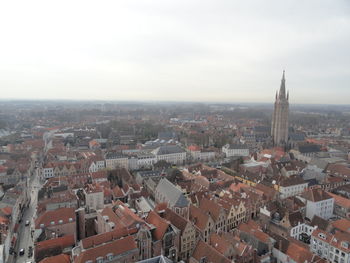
<point>321,235</point>
<point>70,219</point>
<point>345,244</point>
<point>52,222</point>
<point>42,225</point>
<point>99,260</point>
<point>109,256</point>
<point>60,221</point>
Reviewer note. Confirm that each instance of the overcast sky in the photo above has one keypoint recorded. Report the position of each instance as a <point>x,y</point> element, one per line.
<point>183,50</point>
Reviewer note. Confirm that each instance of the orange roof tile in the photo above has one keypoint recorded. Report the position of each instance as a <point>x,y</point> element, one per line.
<point>160,224</point>
<point>212,256</point>
<point>115,247</point>
<point>97,240</point>
<point>61,242</point>
<point>62,258</point>
<point>341,201</point>
<point>342,224</point>
<point>48,217</point>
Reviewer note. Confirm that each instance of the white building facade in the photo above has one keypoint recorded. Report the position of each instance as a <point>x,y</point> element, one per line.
<point>235,150</point>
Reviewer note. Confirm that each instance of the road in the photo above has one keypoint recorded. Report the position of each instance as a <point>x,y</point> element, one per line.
<point>25,240</point>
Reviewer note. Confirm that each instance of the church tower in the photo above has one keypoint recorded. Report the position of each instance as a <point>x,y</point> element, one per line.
<point>279,129</point>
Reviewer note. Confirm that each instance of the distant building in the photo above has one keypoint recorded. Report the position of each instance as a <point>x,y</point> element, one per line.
<point>173,154</point>
<point>57,223</point>
<point>292,186</point>
<point>320,203</point>
<point>94,196</point>
<point>187,235</point>
<point>333,247</point>
<point>199,154</point>
<point>120,250</point>
<point>114,160</point>
<point>279,129</point>
<point>231,150</point>
<point>166,192</point>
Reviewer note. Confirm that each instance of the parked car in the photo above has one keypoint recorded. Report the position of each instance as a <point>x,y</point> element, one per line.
<point>27,223</point>
<point>21,252</point>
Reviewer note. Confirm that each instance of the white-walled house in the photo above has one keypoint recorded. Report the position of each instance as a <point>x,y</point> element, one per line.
<point>318,202</point>
<point>173,154</point>
<point>231,150</point>
<point>291,186</point>
<point>199,154</point>
<point>334,247</point>
<point>114,160</point>
<point>47,171</point>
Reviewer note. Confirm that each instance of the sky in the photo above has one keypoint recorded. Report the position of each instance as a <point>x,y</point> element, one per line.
<point>183,50</point>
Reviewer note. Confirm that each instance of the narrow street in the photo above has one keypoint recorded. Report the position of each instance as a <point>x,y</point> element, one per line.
<point>25,240</point>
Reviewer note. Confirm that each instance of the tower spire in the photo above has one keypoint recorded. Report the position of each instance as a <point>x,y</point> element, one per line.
<point>279,127</point>
<point>282,93</point>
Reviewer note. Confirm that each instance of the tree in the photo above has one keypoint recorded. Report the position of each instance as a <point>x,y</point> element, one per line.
<point>162,164</point>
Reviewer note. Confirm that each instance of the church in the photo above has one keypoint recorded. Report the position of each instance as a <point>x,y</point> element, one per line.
<point>279,127</point>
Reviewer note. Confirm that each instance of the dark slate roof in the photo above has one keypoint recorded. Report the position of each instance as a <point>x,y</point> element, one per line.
<point>149,173</point>
<point>295,218</point>
<point>169,149</point>
<point>311,182</point>
<point>293,180</point>
<point>297,136</point>
<point>238,146</point>
<point>309,148</point>
<point>167,135</point>
<point>265,129</point>
<point>320,223</point>
<point>114,155</point>
<point>174,195</point>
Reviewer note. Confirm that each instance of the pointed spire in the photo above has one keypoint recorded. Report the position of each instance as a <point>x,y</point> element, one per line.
<point>282,93</point>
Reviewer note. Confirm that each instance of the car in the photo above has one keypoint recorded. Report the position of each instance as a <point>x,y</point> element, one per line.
<point>30,251</point>
<point>27,223</point>
<point>21,252</point>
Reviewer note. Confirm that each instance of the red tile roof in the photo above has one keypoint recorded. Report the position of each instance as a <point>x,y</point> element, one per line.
<point>253,228</point>
<point>4,220</point>
<point>316,195</point>
<point>219,243</point>
<point>342,224</point>
<point>63,214</point>
<point>97,240</point>
<point>160,224</point>
<point>115,247</point>
<point>62,258</point>
<point>60,242</point>
<point>300,254</point>
<point>341,201</point>
<point>194,148</point>
<point>198,217</point>
<point>203,250</point>
<point>6,210</point>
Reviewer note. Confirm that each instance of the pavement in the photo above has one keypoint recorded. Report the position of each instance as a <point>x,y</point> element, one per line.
<point>24,239</point>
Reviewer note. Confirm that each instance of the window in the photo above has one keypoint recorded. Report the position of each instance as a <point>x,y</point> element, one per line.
<point>110,256</point>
